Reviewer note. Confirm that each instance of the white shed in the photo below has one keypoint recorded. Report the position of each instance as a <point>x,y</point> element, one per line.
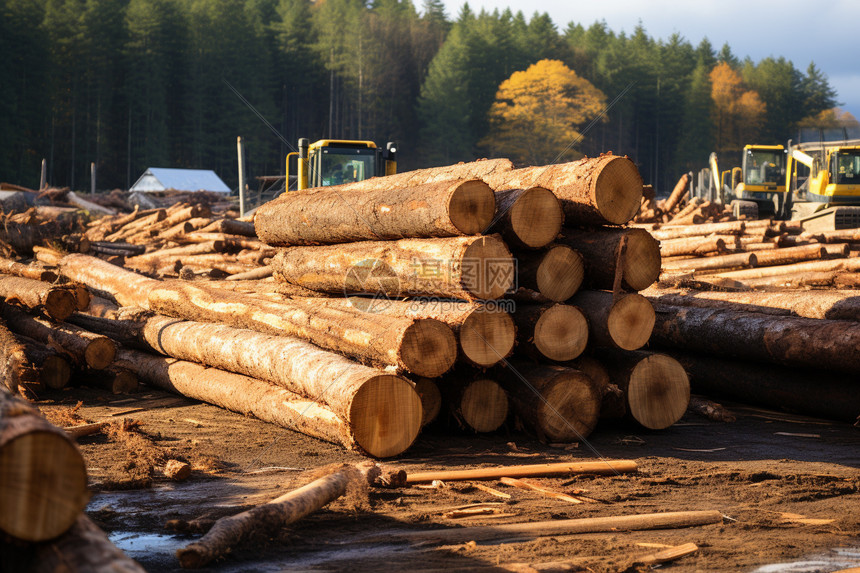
<point>162,178</point>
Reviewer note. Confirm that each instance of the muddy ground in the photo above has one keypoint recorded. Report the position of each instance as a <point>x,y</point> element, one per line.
<point>787,486</point>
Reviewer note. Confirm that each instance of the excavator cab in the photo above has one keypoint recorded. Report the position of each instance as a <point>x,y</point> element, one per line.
<point>334,161</point>
<point>763,171</point>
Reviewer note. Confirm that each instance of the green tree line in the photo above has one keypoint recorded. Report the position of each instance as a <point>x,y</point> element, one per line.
<point>130,84</point>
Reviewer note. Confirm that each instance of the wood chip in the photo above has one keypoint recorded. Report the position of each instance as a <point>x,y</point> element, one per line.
<point>492,491</point>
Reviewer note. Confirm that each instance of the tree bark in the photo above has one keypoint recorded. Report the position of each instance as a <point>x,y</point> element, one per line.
<point>852,264</point>
<point>270,517</point>
<point>230,227</point>
<point>593,191</point>
<point>57,302</point>
<point>789,255</point>
<point>155,259</point>
<point>655,386</point>
<point>624,321</point>
<point>555,331</point>
<point>43,479</point>
<point>423,347</point>
<point>467,268</point>
<point>557,404</point>
<point>527,218</point>
<point>677,194</point>
<point>827,344</point>
<point>326,215</point>
<point>640,264</point>
<point>733,261</point>
<point>693,246</point>
<point>110,281</point>
<point>35,272</point>
<point>667,232</point>
<point>556,273</point>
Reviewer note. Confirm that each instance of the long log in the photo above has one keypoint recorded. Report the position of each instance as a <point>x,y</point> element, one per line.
<point>667,232</point>
<point>230,227</point>
<point>802,391</point>
<point>84,347</point>
<point>592,191</point>
<point>57,302</point>
<point>655,386</point>
<point>694,246</point>
<point>827,344</point>
<point>640,263</point>
<point>852,264</point>
<point>382,410</point>
<point>527,218</point>
<point>602,467</point>
<point>478,403</point>
<point>833,305</point>
<point>246,396</point>
<point>163,256</point>
<point>624,321</point>
<point>107,280</point>
<point>325,215</point>
<point>17,373</point>
<point>468,268</point>
<point>43,479</point>
<point>789,255</point>
<point>423,347</point>
<point>554,331</point>
<point>555,403</point>
<point>677,193</point>
<point>271,517</point>
<point>486,331</point>
<point>736,260</point>
<point>35,272</point>
<point>556,273</point>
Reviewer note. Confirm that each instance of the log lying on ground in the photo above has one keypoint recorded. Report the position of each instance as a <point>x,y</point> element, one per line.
<point>656,388</point>
<point>789,255</point>
<point>423,347</point>
<point>107,280</point>
<point>733,261</point>
<point>231,227</point>
<point>382,410</point>
<point>467,268</point>
<point>52,369</point>
<point>602,467</point>
<point>667,232</point>
<point>833,305</point>
<point>527,218</point>
<point>600,249</point>
<point>84,347</point>
<point>117,249</point>
<point>84,548</point>
<point>693,246</point>
<point>477,403</point>
<point>624,321</point>
<point>555,273</point>
<point>555,331</point>
<point>269,518</point>
<point>802,391</point>
<point>164,256</point>
<point>841,236</point>
<point>43,479</point>
<point>325,215</point>
<point>828,344</point>
<point>592,191</point>
<point>35,272</point>
<point>16,370</point>
<point>249,396</point>
<point>852,264</point>
<point>486,332</point>
<point>57,302</point>
<point>555,403</point>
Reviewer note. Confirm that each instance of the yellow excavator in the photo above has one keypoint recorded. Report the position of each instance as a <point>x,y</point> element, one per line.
<point>335,161</point>
<point>758,185</point>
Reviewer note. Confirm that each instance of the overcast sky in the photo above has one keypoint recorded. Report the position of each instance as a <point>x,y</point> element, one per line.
<point>800,31</point>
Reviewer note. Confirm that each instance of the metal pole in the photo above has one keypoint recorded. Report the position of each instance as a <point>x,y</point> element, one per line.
<point>93,178</point>
<point>240,148</point>
<point>43,180</point>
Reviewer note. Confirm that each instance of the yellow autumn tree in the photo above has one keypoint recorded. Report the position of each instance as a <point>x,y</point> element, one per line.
<point>538,112</point>
<point>738,112</point>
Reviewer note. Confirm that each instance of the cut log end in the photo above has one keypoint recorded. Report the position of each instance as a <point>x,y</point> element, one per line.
<point>484,405</point>
<point>60,304</point>
<point>471,207</point>
<point>642,260</point>
<point>618,190</point>
<point>488,268</point>
<point>43,485</point>
<point>659,392</point>
<point>561,332</point>
<point>560,273</point>
<point>385,416</point>
<point>431,399</point>
<point>571,409</point>
<point>55,372</point>
<point>428,348</point>
<point>536,217</point>
<point>486,337</point>
<point>631,321</point>
<point>100,353</point>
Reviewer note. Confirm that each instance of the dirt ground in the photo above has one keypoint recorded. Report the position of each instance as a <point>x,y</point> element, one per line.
<point>787,486</point>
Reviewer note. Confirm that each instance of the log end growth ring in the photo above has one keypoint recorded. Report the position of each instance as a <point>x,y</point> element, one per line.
<point>631,321</point>
<point>642,260</point>
<point>385,416</point>
<point>484,405</point>
<point>60,304</point>
<point>560,273</point>
<point>572,408</point>
<point>428,348</point>
<point>536,217</point>
<point>472,206</point>
<point>618,190</point>
<point>43,486</point>
<point>561,333</point>
<point>486,337</point>
<point>488,271</point>
<point>100,353</point>
<point>659,392</point>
